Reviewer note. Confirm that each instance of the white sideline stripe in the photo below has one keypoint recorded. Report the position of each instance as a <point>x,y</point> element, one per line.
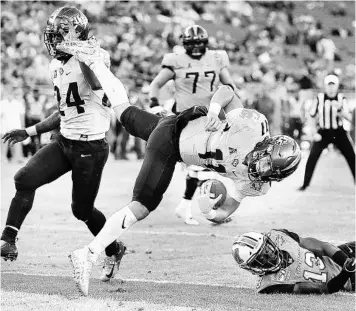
<point>147,232</point>
<point>162,282</point>
<point>140,280</point>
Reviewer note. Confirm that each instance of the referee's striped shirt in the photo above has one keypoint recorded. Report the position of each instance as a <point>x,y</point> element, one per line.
<point>326,110</point>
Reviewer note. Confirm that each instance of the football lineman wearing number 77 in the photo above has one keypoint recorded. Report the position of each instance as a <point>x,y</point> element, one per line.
<point>238,147</point>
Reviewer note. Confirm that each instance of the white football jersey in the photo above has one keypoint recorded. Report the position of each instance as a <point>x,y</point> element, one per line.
<point>224,151</point>
<point>196,80</point>
<point>83,115</point>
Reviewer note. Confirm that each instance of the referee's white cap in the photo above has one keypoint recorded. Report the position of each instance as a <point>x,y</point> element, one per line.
<point>331,79</point>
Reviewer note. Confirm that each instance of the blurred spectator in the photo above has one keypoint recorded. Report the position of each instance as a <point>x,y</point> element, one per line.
<point>12,117</point>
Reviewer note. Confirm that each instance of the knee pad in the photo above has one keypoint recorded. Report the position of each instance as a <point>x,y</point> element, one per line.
<point>24,182</point>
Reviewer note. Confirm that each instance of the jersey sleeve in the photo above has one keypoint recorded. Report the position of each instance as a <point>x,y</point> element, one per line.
<point>277,288</point>
<point>223,59</point>
<point>169,61</point>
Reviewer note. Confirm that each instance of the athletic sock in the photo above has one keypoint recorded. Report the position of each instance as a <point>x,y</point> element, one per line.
<point>114,227</point>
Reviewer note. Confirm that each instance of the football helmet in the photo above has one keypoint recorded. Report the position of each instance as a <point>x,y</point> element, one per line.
<point>256,252</point>
<point>273,159</point>
<point>195,41</point>
<point>65,23</point>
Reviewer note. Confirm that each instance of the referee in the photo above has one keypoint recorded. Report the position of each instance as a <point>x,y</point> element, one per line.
<point>329,109</point>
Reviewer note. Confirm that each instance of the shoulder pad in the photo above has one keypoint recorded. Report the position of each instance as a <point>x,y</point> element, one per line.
<point>170,60</point>
<point>223,58</point>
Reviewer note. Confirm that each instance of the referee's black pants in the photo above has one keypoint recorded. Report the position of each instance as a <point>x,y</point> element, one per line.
<point>341,139</point>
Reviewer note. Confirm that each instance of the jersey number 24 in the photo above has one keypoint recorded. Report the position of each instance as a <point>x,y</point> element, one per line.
<point>72,90</point>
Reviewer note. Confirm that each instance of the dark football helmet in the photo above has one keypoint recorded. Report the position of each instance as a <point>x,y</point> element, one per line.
<point>256,252</point>
<point>195,41</point>
<point>65,23</point>
<point>273,159</point>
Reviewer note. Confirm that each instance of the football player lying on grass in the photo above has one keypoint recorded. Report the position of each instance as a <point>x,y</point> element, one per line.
<point>238,147</point>
<point>288,263</point>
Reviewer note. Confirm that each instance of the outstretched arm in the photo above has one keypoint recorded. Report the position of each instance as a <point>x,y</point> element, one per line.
<point>48,124</point>
<point>224,98</point>
<point>320,248</point>
<point>161,79</point>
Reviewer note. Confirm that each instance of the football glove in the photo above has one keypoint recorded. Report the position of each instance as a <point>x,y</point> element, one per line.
<point>154,102</point>
<point>350,265</point>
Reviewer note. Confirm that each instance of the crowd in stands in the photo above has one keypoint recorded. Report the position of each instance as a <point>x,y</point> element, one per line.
<point>279,51</point>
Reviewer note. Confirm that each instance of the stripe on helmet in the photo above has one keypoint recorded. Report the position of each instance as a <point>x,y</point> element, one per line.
<point>249,241</point>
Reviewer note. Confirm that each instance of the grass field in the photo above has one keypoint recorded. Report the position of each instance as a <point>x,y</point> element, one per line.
<point>169,265</point>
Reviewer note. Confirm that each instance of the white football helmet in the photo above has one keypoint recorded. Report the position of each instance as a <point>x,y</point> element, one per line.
<point>255,252</point>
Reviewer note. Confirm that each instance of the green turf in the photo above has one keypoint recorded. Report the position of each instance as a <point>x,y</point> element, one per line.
<point>171,266</point>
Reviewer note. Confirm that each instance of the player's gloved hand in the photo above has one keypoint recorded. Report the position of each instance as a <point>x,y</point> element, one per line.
<point>187,115</point>
<point>14,136</point>
<point>350,265</point>
<point>154,102</point>
<point>213,123</point>
<point>206,199</point>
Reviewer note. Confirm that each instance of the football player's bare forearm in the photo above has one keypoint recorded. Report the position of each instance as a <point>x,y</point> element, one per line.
<point>161,79</point>
<point>154,90</point>
<point>226,98</point>
<point>50,123</point>
<point>320,248</point>
<point>310,288</point>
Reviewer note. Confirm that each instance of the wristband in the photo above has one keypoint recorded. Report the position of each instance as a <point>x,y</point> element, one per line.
<point>214,108</point>
<point>31,131</point>
<point>210,215</point>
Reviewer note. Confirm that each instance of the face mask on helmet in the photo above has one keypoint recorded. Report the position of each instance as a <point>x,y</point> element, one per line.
<point>259,256</point>
<point>65,23</point>
<point>273,159</point>
<point>195,41</point>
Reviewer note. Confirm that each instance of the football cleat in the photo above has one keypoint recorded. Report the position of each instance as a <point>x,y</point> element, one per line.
<point>184,210</point>
<point>8,251</point>
<point>112,264</point>
<point>82,261</point>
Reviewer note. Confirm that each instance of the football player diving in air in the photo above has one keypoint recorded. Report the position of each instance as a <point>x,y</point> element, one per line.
<point>81,146</point>
<point>288,263</point>
<point>197,73</point>
<point>238,148</point>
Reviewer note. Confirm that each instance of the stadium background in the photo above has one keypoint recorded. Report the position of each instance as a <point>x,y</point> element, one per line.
<point>279,51</point>
<point>278,60</point>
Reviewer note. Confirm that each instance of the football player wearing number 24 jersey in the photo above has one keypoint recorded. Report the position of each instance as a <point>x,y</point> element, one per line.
<point>81,147</point>
<point>196,136</point>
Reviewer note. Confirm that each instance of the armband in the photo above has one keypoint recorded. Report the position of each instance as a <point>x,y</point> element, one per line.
<point>210,215</point>
<point>31,131</point>
<point>215,108</point>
